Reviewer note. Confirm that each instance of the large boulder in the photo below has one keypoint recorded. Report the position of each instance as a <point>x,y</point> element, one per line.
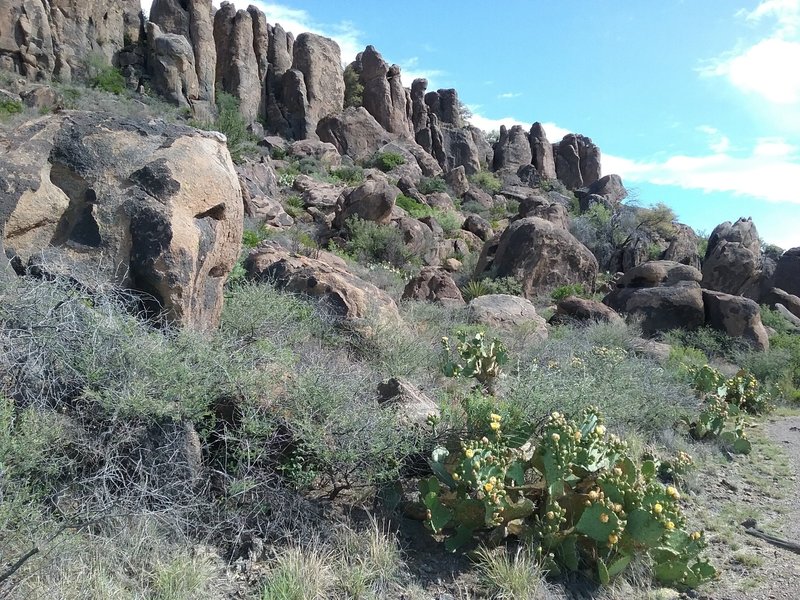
<point>373,200</point>
<point>789,301</point>
<point>411,404</point>
<point>194,21</point>
<point>607,190</point>
<point>347,297</point>
<point>683,247</point>
<point>542,152</point>
<point>434,285</point>
<point>544,208</point>
<point>353,132</point>
<point>541,255</point>
<point>736,316</point>
<point>574,308</point>
<point>733,259</point>
<point>503,311</point>
<point>787,272</point>
<point>171,64</point>
<point>661,295</point>
<point>143,204</point>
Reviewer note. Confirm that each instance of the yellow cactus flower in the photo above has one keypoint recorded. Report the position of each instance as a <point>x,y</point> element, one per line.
<point>593,495</point>
<point>469,453</point>
<point>603,517</point>
<point>488,486</point>
<point>456,476</point>
<point>555,437</point>
<point>696,535</point>
<point>493,480</point>
<point>613,539</point>
<point>658,509</point>
<point>577,436</point>
<point>600,430</point>
<point>495,417</point>
<point>670,525</point>
<point>494,425</point>
<point>673,493</point>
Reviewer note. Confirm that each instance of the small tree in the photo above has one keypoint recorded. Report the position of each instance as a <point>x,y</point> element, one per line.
<point>353,89</point>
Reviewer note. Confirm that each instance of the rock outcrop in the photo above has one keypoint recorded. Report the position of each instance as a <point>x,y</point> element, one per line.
<point>541,255</point>
<point>787,272</point>
<point>733,259</point>
<point>577,161</point>
<point>573,308</point>
<point>434,285</point>
<point>237,68</point>
<point>384,96</point>
<point>542,152</point>
<point>373,200</point>
<point>512,150</point>
<point>353,132</point>
<point>142,204</point>
<point>42,39</point>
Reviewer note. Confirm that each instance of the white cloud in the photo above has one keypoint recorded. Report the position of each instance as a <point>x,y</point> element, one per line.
<point>508,95</point>
<point>769,172</point>
<point>410,70</point>
<point>717,142</point>
<point>769,67</point>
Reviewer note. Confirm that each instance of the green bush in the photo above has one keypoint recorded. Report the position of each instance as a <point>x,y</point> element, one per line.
<point>564,291</point>
<point>348,175</point>
<point>231,123</point>
<point>278,153</point>
<point>449,221</point>
<point>488,182</point>
<point>370,242</point>
<point>386,161</point>
<point>9,107</point>
<point>483,287</point>
<point>353,89</point>
<point>431,185</point>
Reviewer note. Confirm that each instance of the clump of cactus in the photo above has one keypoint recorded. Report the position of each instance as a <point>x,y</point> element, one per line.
<point>474,357</point>
<point>725,401</point>
<point>573,492</point>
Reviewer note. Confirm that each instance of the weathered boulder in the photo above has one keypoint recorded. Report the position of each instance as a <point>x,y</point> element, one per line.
<point>541,255</point>
<point>542,152</point>
<point>316,88</point>
<point>353,132</point>
<point>577,161</point>
<point>787,272</point>
<point>192,20</point>
<point>779,296</point>
<point>787,314</point>
<point>373,200</point>
<point>733,258</point>
<point>434,285</point>
<point>479,226</point>
<point>574,308</point>
<point>736,316</point>
<point>661,295</point>
<point>143,204</point>
<point>512,150</point>
<point>503,311</point>
<point>324,152</point>
<point>355,301</point>
<point>476,195</point>
<point>418,238</point>
<point>384,96</point>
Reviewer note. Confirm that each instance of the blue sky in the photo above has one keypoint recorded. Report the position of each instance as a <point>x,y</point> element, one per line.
<point>696,104</point>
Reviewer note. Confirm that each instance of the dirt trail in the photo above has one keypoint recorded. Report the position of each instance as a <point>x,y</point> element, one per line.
<point>766,487</point>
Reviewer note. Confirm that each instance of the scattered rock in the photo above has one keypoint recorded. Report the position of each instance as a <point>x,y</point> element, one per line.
<point>787,272</point>
<point>479,226</point>
<point>434,285</point>
<point>732,262</point>
<point>373,200</point>
<point>457,180</point>
<point>411,404</point>
<point>737,316</point>
<point>574,308</point>
<point>503,311</point>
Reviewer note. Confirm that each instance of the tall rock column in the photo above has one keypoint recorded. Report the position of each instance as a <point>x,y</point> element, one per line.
<point>384,95</point>
<point>314,87</point>
<point>237,69</point>
<point>577,161</point>
<point>193,21</point>
<point>542,152</point>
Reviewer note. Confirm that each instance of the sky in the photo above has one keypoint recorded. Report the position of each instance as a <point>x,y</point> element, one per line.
<point>694,104</point>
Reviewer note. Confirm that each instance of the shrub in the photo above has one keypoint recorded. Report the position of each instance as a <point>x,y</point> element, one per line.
<point>386,161</point>
<point>574,491</point>
<point>488,182</point>
<point>103,76</point>
<point>231,123</point>
<point>278,153</point>
<point>369,242</point>
<point>349,175</point>
<point>431,185</point>
<point>449,221</point>
<point>9,107</point>
<point>564,291</point>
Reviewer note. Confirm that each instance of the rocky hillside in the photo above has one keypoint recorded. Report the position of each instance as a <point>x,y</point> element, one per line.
<point>234,273</point>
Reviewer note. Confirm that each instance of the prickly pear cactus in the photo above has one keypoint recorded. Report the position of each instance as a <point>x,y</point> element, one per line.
<point>476,357</point>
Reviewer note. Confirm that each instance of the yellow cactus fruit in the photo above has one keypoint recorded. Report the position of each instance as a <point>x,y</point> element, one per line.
<point>469,453</point>
<point>593,495</point>
<point>613,539</point>
<point>551,515</point>
<point>603,517</point>
<point>488,486</point>
<point>577,436</point>
<point>670,525</point>
<point>600,430</point>
<point>658,509</point>
<point>555,437</point>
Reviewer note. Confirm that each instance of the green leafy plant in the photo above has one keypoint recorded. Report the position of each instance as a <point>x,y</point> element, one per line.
<point>564,291</point>
<point>475,357</point>
<point>573,492</point>
<point>278,153</point>
<point>104,76</point>
<point>475,289</point>
<point>386,161</point>
<point>10,107</point>
<point>431,185</point>
<point>348,175</point>
<point>488,182</point>
<point>353,88</point>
